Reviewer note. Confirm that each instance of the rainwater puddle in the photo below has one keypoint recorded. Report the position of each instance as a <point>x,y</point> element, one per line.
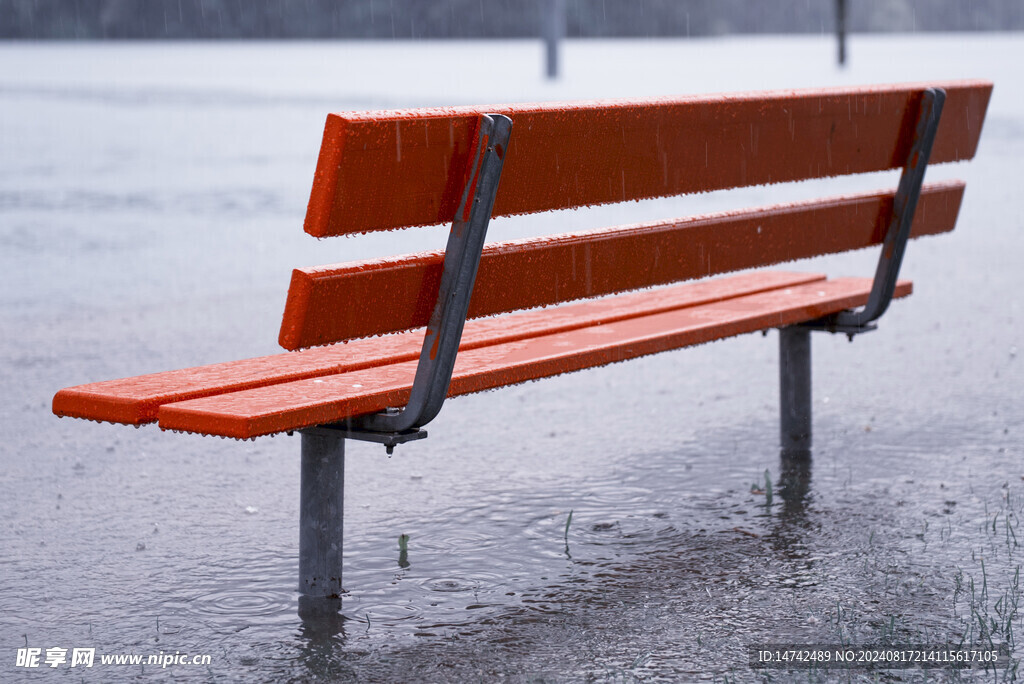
<point>655,581</point>
<point>904,529</point>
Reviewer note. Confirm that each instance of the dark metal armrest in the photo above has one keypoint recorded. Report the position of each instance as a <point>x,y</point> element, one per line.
<point>903,207</point>
<point>444,331</point>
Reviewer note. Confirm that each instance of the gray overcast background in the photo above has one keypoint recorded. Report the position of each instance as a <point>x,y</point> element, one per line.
<point>403,19</point>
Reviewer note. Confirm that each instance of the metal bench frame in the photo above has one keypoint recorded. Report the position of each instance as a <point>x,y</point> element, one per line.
<point>323,447</point>
<point>795,341</point>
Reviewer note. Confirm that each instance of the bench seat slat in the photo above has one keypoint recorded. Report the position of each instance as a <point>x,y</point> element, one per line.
<point>135,400</point>
<point>393,169</point>
<point>327,399</point>
<point>328,304</point>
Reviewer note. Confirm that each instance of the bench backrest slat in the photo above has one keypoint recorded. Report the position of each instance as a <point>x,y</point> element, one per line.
<point>333,303</point>
<point>385,170</point>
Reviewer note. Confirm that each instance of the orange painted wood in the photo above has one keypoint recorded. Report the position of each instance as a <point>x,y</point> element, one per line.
<point>135,400</point>
<point>381,170</point>
<point>327,399</point>
<point>332,303</point>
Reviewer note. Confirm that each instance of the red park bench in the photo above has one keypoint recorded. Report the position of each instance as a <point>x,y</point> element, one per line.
<point>395,169</point>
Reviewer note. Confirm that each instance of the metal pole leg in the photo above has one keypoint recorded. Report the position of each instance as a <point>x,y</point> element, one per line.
<point>795,388</point>
<point>321,511</point>
<point>553,30</point>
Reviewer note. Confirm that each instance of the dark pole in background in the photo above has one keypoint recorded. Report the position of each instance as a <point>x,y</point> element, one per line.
<point>553,29</point>
<point>841,30</point>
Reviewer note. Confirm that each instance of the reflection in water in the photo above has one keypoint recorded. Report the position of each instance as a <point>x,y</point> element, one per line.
<point>321,613</point>
<point>792,529</point>
<point>320,640</point>
<point>403,551</point>
<point>568,522</point>
<point>794,483</point>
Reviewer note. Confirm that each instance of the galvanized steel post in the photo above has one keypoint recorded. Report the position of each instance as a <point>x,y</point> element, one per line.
<point>553,30</point>
<point>795,388</point>
<point>321,512</point>
<point>841,30</point>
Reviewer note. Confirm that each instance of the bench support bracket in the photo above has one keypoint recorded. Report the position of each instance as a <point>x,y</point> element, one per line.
<point>903,207</point>
<point>795,341</point>
<point>461,261</point>
<point>323,448</point>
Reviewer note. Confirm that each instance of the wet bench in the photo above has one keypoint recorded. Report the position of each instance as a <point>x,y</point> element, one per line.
<point>418,328</point>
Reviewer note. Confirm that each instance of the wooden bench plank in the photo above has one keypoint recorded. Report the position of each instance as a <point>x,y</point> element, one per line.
<point>332,398</point>
<point>135,400</point>
<point>381,170</point>
<point>328,304</point>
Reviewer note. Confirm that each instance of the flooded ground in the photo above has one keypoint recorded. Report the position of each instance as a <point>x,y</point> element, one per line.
<point>151,200</point>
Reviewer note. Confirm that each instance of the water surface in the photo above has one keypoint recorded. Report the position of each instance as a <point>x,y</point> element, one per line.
<point>151,201</point>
